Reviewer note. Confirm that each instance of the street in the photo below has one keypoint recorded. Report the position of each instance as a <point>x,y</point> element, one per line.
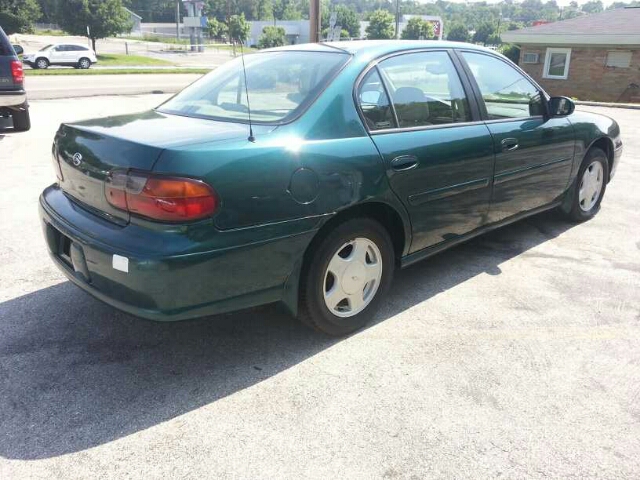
<point>514,355</point>
<point>64,86</point>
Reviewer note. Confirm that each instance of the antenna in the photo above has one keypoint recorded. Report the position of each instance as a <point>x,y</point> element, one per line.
<point>246,91</point>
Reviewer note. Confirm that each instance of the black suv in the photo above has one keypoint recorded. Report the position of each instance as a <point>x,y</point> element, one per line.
<point>13,98</point>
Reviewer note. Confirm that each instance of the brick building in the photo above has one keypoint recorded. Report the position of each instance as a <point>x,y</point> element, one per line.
<point>594,57</point>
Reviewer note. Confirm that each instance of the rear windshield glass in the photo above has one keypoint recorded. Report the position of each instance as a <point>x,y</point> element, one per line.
<point>280,85</point>
<point>5,48</point>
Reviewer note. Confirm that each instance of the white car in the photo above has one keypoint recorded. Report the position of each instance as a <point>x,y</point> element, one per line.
<point>71,54</point>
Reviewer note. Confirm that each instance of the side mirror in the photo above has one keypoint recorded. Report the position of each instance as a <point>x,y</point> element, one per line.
<point>561,106</point>
<point>19,50</point>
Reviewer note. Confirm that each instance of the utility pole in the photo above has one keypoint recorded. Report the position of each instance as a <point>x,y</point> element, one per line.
<point>397,19</point>
<point>314,21</point>
<point>178,19</point>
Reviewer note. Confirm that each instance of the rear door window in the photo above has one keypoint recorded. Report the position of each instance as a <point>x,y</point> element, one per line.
<point>425,89</point>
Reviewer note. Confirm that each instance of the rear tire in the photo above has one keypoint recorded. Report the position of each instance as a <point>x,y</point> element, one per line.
<point>591,184</point>
<point>41,63</point>
<point>346,274</point>
<point>21,119</point>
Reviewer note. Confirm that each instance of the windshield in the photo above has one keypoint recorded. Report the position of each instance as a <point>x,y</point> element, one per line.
<point>280,85</point>
<point>45,48</point>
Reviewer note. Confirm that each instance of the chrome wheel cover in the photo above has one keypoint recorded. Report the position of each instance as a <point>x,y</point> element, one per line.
<point>590,186</point>
<point>352,277</point>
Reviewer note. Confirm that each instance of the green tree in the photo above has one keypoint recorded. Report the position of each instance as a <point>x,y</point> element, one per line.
<point>381,25</point>
<point>417,28</point>
<point>272,37</point>
<point>216,28</point>
<point>512,52</point>
<point>264,9</point>
<point>102,18</point>
<point>346,17</point>
<point>458,33</point>
<point>483,32</point>
<point>594,6</point>
<point>18,15</point>
<point>239,28</point>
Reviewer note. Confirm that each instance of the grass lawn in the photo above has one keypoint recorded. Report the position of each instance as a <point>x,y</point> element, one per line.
<point>119,71</point>
<point>112,59</point>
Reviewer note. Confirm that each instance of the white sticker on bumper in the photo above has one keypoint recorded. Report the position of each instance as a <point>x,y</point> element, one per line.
<point>120,263</point>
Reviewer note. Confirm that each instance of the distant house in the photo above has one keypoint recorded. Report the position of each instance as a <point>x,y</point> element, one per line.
<point>593,57</point>
<point>296,31</point>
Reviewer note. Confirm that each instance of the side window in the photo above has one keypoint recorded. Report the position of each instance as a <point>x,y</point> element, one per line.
<point>374,102</point>
<point>505,91</point>
<point>425,89</point>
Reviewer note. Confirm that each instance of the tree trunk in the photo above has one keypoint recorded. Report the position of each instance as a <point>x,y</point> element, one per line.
<point>93,44</point>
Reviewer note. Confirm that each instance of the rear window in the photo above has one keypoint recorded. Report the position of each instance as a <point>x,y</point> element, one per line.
<point>280,85</point>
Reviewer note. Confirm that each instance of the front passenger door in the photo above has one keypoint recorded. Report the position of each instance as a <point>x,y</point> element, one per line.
<point>534,153</point>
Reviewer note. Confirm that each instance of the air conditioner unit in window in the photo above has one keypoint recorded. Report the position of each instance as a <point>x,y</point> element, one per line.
<point>530,58</point>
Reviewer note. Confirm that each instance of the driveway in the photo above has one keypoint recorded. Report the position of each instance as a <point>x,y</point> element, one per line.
<point>514,355</point>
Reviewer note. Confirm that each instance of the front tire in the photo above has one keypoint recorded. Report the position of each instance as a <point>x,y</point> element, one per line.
<point>591,184</point>
<point>347,273</point>
<point>42,63</point>
<point>84,64</point>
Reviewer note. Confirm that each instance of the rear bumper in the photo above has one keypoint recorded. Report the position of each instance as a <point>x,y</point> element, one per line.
<point>12,98</point>
<point>164,283</point>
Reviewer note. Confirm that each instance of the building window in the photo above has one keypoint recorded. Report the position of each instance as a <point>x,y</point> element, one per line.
<point>528,57</point>
<point>556,63</point>
<point>618,59</point>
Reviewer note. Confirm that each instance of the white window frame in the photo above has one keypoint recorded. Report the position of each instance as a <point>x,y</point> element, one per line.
<point>536,54</point>
<point>547,61</point>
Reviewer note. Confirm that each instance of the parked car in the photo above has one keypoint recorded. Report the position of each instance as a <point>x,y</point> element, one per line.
<point>13,98</point>
<point>70,54</point>
<point>354,159</point>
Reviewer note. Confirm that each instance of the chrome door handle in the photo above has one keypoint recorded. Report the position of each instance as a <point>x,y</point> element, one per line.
<point>509,144</point>
<point>404,163</point>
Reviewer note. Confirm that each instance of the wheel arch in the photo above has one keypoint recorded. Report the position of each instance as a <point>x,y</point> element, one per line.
<point>606,145</point>
<point>389,216</point>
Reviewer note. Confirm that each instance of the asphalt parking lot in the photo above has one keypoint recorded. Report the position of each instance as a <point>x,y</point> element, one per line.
<point>514,355</point>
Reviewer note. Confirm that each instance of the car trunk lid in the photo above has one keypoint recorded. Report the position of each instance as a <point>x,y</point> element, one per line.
<point>90,152</point>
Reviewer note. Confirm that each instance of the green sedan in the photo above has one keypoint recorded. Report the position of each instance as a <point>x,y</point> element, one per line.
<point>308,175</point>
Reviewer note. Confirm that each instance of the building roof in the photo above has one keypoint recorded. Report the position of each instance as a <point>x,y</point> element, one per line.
<point>611,27</point>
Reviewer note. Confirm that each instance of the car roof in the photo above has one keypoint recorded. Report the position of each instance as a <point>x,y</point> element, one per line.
<point>376,48</point>
<point>69,43</point>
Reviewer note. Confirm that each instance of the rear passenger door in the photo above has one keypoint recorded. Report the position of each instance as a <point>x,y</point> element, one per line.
<point>438,154</point>
<point>534,153</point>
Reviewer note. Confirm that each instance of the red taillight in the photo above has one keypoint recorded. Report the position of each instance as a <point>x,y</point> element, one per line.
<point>17,72</point>
<point>167,199</point>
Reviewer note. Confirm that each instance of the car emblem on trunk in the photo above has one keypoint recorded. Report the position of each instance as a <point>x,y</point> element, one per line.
<point>77,159</point>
